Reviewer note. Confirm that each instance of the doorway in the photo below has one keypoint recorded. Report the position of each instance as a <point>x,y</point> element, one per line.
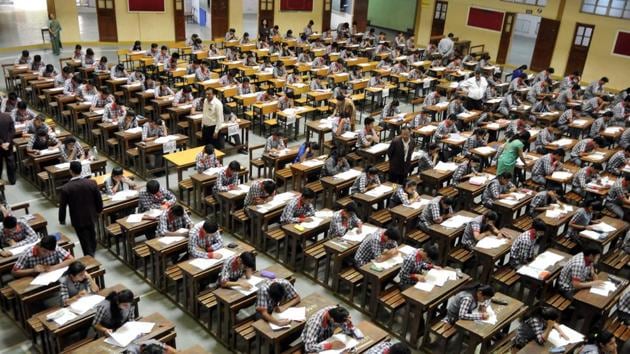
<point>341,12</point>
<point>523,41</point>
<point>197,19</point>
<point>88,24</point>
<point>579,47</point>
<point>250,18</point>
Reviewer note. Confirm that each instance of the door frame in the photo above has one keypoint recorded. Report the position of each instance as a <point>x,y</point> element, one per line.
<point>569,68</point>
<point>179,18</point>
<point>506,37</point>
<point>440,3</point>
<point>110,21</point>
<point>541,61</point>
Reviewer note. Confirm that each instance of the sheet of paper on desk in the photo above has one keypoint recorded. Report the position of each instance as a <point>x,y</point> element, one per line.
<point>313,163</point>
<point>154,213</point>
<point>424,286</point>
<point>428,128</point>
<point>545,260</point>
<point>352,173</point>
<point>494,100</point>
<point>561,175</point>
<point>253,281</point>
<point>446,166</point>
<point>315,222</point>
<point>490,242</point>
<point>442,104</point>
<point>406,250</point>
<point>439,277</point>
<point>135,218</point>
<point>604,289</point>
<point>354,235</point>
<point>603,227</point>
<point>128,332</point>
<point>478,180</point>
<point>204,263</point>
<point>275,327</point>
<point>493,126</point>
<point>167,240</point>
<point>324,214</point>
<point>390,263</point>
<point>49,151</point>
<point>242,189</point>
<point>212,171</point>
<point>49,277</point>
<point>455,222</point>
<point>165,139</point>
<point>591,234</point>
<point>99,111</point>
<point>124,195</point>
<point>597,156</point>
<point>492,316</point>
<point>85,303</point>
<point>580,122</point>
<point>379,190</point>
<point>61,316</point>
<point>292,313</point>
<point>62,166</point>
<point>563,142</point>
<point>613,130</point>
<point>419,204</point>
<point>557,341</point>
<point>377,148</point>
<point>485,150</point>
<point>457,137</point>
<point>20,249</point>
<point>345,339</point>
<point>134,130</point>
<point>349,135</point>
<point>529,271</point>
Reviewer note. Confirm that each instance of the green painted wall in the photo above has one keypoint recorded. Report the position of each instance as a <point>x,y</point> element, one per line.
<point>393,14</point>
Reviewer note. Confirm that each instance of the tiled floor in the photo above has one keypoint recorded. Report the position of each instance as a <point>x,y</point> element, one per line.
<point>30,15</point>
<point>521,50</point>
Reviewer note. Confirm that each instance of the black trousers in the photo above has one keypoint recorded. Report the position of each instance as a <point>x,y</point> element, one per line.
<point>207,136</point>
<point>397,178</point>
<point>9,158</point>
<point>471,104</point>
<point>87,238</point>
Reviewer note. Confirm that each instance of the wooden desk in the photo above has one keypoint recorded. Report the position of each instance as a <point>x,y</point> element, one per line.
<point>56,174</point>
<point>297,237</point>
<point>534,284</point>
<point>334,187</point>
<point>403,216</point>
<point>110,209</point>
<point>468,191</point>
<point>604,243</point>
<point>151,147</point>
<point>160,255</point>
<point>183,160</point>
<point>260,218</point>
<point>434,179</point>
<point>418,302</point>
<point>228,202</point>
<point>482,333</point>
<point>506,211</point>
<point>365,201</point>
<point>132,230</point>
<point>534,348</point>
<point>590,305</point>
<point>376,281</point>
<point>488,257</point>
<point>277,159</point>
<point>446,236</point>
<point>316,127</point>
<point>301,171</point>
<point>374,153</point>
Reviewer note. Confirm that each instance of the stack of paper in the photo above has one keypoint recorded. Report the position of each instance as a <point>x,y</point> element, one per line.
<point>492,316</point>
<point>85,303</point>
<point>558,210</point>
<point>428,129</point>
<point>377,148</point>
<point>563,142</point>
<point>591,234</point>
<point>604,289</point>
<point>435,277</point>
<point>349,135</point>
<point>345,339</point>
<point>446,166</point>
<point>48,277</point>
<point>457,138</point>
<point>253,281</point>
<point>485,150</point>
<point>390,263</point>
<point>20,249</point>
<point>419,204</point>
<point>490,242</point>
<point>135,218</point>
<point>128,332</point>
<point>124,195</point>
<point>63,166</point>
<point>291,314</point>
<point>603,227</point>
<point>455,222</point>
<point>379,191</point>
<point>478,180</point>
<point>167,240</point>
<point>407,250</point>
<point>580,122</point>
<point>212,171</point>
<point>134,130</point>
<point>203,263</point>
<point>49,151</point>
<point>165,139</point>
<point>613,130</point>
<point>546,260</point>
<point>61,316</point>
<point>352,173</point>
<point>356,236</point>
<point>573,336</point>
<point>561,175</point>
<point>313,163</point>
<point>324,214</point>
<point>597,156</point>
<point>315,222</point>
<point>242,189</point>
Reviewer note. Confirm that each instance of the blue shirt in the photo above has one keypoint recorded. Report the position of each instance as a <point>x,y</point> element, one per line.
<point>301,152</point>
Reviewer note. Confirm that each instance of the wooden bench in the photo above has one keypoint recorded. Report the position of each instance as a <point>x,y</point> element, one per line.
<point>417,237</point>
<point>283,176</point>
<point>558,302</point>
<point>381,218</point>
<point>353,278</point>
<point>142,252</point>
<point>444,332</point>
<point>506,278</point>
<point>36,328</point>
<point>317,188</point>
<point>620,330</point>
<point>448,191</point>
<point>460,256</point>
<point>392,300</point>
<point>342,203</point>
<point>239,217</point>
<point>174,275</point>
<point>113,231</point>
<point>317,254</point>
<point>207,301</point>
<point>7,299</point>
<point>523,223</point>
<point>573,198</point>
<point>615,260</point>
<point>565,243</point>
<point>210,202</point>
<point>245,332</point>
<point>353,159</point>
<point>276,235</point>
<point>185,185</point>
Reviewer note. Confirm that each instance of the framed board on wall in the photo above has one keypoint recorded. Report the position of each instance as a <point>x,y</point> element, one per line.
<point>622,44</point>
<point>145,5</point>
<point>296,5</point>
<point>485,18</point>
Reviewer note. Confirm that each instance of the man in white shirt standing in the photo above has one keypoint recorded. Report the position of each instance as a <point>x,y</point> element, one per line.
<point>475,87</point>
<point>212,119</point>
<point>446,46</point>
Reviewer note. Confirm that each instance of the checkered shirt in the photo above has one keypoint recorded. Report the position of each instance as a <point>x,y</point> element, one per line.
<point>99,102</point>
<point>624,303</point>
<point>163,91</point>
<point>137,348</point>
<point>23,234</point>
<point>583,177</point>
<point>589,105</point>
<point>425,162</point>
<point>566,117</point>
<point>263,300</point>
<point>181,97</point>
<point>522,249</point>
<point>371,248</point>
<point>103,315</point>
<point>431,99</point>
<point>400,196</point>
<point>543,138</point>
<point>581,217</point>
<point>339,226</point>
<point>412,264</point>
<point>381,348</point>
<point>420,120</point>
<point>69,88</point>
<point>231,270</point>
<point>256,191</point>
<point>295,210</point>
<point>433,211</point>
<point>78,152</point>
<point>580,147</point>
<point>204,162</point>
<point>51,140</point>
<point>362,140</point>
<point>331,168</point>
<point>455,108</point>
<point>472,142</point>
<point>575,269</point>
<point>319,327</point>
<point>64,290</point>
<point>224,181</point>
<point>597,125</point>
<point>443,130</point>
<point>171,223</point>
<point>494,189</point>
<point>148,132</point>
<point>360,184</point>
<point>616,161</point>
<point>617,192</point>
<point>200,244</point>
<point>123,125</point>
<point>468,237</point>
<point>148,201</point>
<point>531,328</point>
<point>544,166</point>
<point>110,113</point>
<point>30,258</point>
<point>274,144</point>
<point>462,170</point>
<point>541,199</point>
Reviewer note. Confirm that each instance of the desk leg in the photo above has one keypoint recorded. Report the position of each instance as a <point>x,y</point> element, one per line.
<point>166,173</point>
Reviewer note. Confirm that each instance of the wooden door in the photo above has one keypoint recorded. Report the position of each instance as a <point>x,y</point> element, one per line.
<point>106,18</point>
<point>439,18</point>
<point>180,24</point>
<point>50,4</point>
<point>579,48</point>
<point>219,17</point>
<point>326,14</point>
<point>545,43</point>
<point>506,35</point>
<point>265,11</point>
<point>359,14</point>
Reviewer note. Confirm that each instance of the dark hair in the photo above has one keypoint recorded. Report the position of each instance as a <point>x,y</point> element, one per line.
<point>538,225</point>
<point>506,175</point>
<point>210,227</point>
<point>177,210</point>
<point>115,299</point>
<point>153,186</point>
<point>22,105</point>
<point>339,314</point>
<point>209,149</point>
<point>491,215</point>
<point>48,242</point>
<point>448,200</point>
<point>75,268</point>
<point>591,251</point>
<point>234,166</point>
<point>432,250</point>
<point>575,87</point>
<point>248,259</point>
<point>276,292</point>
<point>600,338</point>
<point>544,312</point>
<point>559,152</point>
<point>117,171</point>
<point>604,79</point>
<point>25,53</point>
<point>399,348</point>
<point>368,121</point>
<point>75,167</point>
<point>392,233</point>
<point>152,348</point>
<point>69,140</point>
<point>371,170</point>
<point>9,222</point>
<point>269,186</point>
<point>308,193</point>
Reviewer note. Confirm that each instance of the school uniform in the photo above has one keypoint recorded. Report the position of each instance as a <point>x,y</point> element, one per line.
<point>531,328</point>
<point>581,217</point>
<point>103,315</point>
<point>31,257</point>
<point>296,210</point>
<point>577,268</point>
<point>493,190</point>
<point>522,250</point>
<point>462,306</point>
<point>412,264</point>
<point>162,199</point>
<point>360,184</point>
<point>320,327</point>
<point>224,180</point>
<point>615,197</point>
<point>171,223</point>
<point>231,270</point>
<point>432,212</point>
<point>204,161</point>
<point>22,234</point>
<point>201,244</point>
<point>69,288</point>
<point>264,301</point>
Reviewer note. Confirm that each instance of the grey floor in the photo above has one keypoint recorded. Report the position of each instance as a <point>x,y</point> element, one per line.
<point>21,23</point>
<point>521,50</point>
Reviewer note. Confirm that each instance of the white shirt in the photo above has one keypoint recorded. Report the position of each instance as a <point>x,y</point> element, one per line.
<point>476,89</point>
<point>446,46</point>
<point>212,114</point>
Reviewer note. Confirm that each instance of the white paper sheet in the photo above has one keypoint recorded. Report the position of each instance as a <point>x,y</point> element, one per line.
<point>48,277</point>
<point>557,341</point>
<point>529,271</point>
<point>292,314</point>
<point>379,191</point>
<point>63,166</point>
<point>352,173</point>
<point>407,250</point>
<point>390,263</point>
<point>313,163</point>
<point>275,327</point>
<point>561,175</point>
<point>134,130</point>
<point>203,263</point>
<point>603,227</point>
<point>124,195</point>
<point>49,151</point>
<point>492,316</point>
<point>324,214</point>
<point>165,139</point>
<point>315,222</point>
<point>20,249</point>
<point>446,166</point>
<point>424,286</point>
<point>545,260</point>
<point>480,180</point>
<point>419,204</point>
<point>484,150</point>
<point>428,128</point>
<point>85,303</point>
<point>563,142</point>
<point>212,171</point>
<point>154,213</point>
<point>167,240</point>
<point>490,242</point>
<point>128,332</point>
<point>61,316</point>
<point>242,189</point>
<point>349,135</point>
<point>253,281</point>
<point>347,340</point>
<point>604,289</point>
<point>455,222</point>
<point>377,148</point>
<point>135,218</point>
<point>354,235</point>
<point>591,234</point>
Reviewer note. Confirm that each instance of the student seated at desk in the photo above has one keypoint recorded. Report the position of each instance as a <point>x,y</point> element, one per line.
<point>204,240</point>
<point>202,73</point>
<point>266,96</point>
<point>183,96</point>
<point>245,88</point>
<point>537,326</point>
<point>438,210</point>
<point>118,182</point>
<point>367,136</point>
<point>163,90</point>
<point>388,347</point>
<point>279,71</point>
<point>523,246</point>
<point>366,181</point>
<point>230,118</point>
<point>87,92</point>
<point>22,114</point>
<point>275,142</point>
<point>151,346</point>
<point>544,138</point>
<point>566,97</point>
<point>584,176</point>
<point>71,151</point>
<point>88,58</point>
<point>206,159</point>
<point>599,124</point>
<point>155,197</point>
<point>285,101</point>
<point>102,99</point>
<point>119,71</point>
<point>541,106</point>
<point>24,59</point>
<point>469,304</point>
<point>601,342</point>
<point>76,283</point>
<point>316,83</point>
<point>345,91</point>
<point>227,178</point>
<point>546,166</point>
<point>344,220</point>
<point>480,227</point>
<point>150,83</point>
<point>618,161</point>
<point>594,105</point>
<point>114,112</point>
<point>236,270</point>
<point>71,86</point>
<point>584,217</point>
<point>260,192</point>
<point>323,324</point>
<point>136,77</point>
<point>477,139</point>
<point>464,170</point>
<point>389,111</point>
<point>405,194</point>
<point>541,202</point>
<point>584,148</point>
<point>305,152</point>
<point>112,313</point>
<point>510,101</point>
<point>537,89</point>
<point>335,164</point>
<point>163,57</point>
<point>229,78</point>
<point>14,233</point>
<point>171,64</point>
<point>379,247</point>
<point>276,296</point>
<point>618,198</point>
<point>415,264</point>
<point>130,121</point>
<point>45,256</point>
<point>173,221</point>
<point>37,64</point>
<point>36,124</point>
<point>151,130</point>
<point>65,74</point>
<point>498,188</point>
<point>299,209</point>
<point>432,98</point>
<point>566,118</point>
<point>42,140</point>
<point>621,111</point>
<point>579,273</point>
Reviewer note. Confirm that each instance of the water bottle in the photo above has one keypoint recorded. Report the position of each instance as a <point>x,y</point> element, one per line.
<point>94,153</point>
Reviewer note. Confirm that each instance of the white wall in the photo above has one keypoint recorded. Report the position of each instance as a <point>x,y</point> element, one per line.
<point>250,6</point>
<point>526,25</point>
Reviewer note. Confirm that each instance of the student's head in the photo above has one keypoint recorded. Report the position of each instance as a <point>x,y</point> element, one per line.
<point>89,52</point>
<point>276,134</point>
<point>484,293</point>
<point>25,53</point>
<point>153,186</point>
<point>175,56</point>
<point>75,168</point>
<point>604,340</point>
<point>479,132</point>
<point>117,173</point>
<point>187,89</point>
<point>391,233</point>
<point>490,217</point>
<point>69,142</point>
<point>210,227</point>
<point>399,348</point>
<point>21,106</point>
<point>429,251</point>
<point>13,96</point>
<point>269,186</point>
<point>410,186</point>
<point>450,119</point>
<point>539,226</point>
<point>105,91</point>
<point>591,254</point>
<point>234,166</point>
<point>37,58</point>
<point>47,245</point>
<point>546,313</point>
<point>451,35</point>
<point>10,222</point>
<point>339,314</point>
<point>447,202</point>
<point>504,178</point>
<point>405,133</point>
<point>598,141</point>
<point>208,149</point>
<point>558,154</point>
<point>308,196</point>
<point>276,292</point>
<point>49,68</point>
<point>368,122</point>
<point>249,260</point>
<point>119,301</point>
<point>76,271</point>
<point>310,23</point>
<point>177,210</point>
<point>371,171</point>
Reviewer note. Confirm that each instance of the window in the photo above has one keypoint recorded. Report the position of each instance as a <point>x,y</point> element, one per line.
<point>611,8</point>
<point>529,2</point>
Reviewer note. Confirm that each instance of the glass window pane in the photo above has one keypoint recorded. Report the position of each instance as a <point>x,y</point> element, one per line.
<point>588,32</point>
<point>588,9</point>
<point>590,2</point>
<point>586,41</point>
<point>600,10</point>
<point>615,12</point>
<point>542,2</point>
<point>626,14</point>
<point>617,4</point>
<point>578,40</point>
<point>580,30</point>
<point>603,2</point>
